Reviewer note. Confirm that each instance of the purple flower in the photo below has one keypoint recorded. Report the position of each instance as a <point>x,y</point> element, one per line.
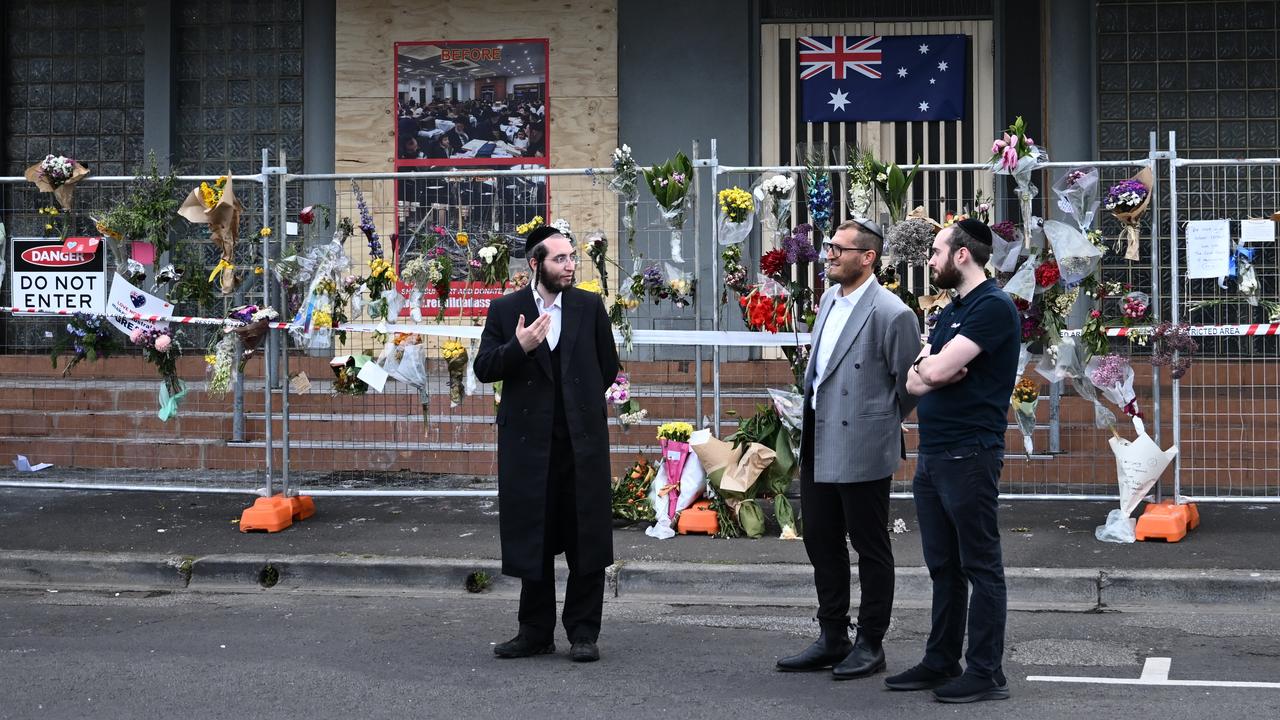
<point>798,246</point>
<point>1006,230</point>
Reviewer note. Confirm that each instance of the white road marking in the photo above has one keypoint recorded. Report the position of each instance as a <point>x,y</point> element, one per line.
<point>1155,671</point>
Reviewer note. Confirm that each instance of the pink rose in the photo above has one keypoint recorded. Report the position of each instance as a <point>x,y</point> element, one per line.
<point>135,337</point>
<point>162,343</point>
<point>1009,160</point>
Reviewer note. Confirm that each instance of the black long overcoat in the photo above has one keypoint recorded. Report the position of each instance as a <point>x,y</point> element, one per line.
<point>589,364</point>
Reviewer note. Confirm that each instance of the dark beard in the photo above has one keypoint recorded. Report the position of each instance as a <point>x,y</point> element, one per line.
<point>948,276</point>
<point>550,284</point>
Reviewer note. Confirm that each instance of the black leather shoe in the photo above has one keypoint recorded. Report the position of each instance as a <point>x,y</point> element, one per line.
<point>867,658</point>
<point>830,648</point>
<point>520,646</point>
<point>584,651</point>
<point>921,678</point>
<point>971,688</point>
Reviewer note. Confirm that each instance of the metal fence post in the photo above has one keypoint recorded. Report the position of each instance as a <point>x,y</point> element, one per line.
<point>1174,316</point>
<point>268,359</point>
<point>715,288</point>
<point>1153,153</point>
<point>697,270</point>
<point>282,225</point>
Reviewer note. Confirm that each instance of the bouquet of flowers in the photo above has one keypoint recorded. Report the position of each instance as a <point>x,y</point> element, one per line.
<point>1029,316</point>
<point>1077,193</point>
<point>798,246</point>
<point>679,288</point>
<point>619,395</point>
<point>324,272</point>
<point>597,247</point>
<point>673,438</point>
<point>623,303</point>
<point>909,241</point>
<point>624,183</point>
<point>217,206</point>
<point>891,185</point>
<point>254,325</point>
<point>1113,375</point>
<point>591,286</point>
<point>818,190</point>
<point>1133,308</point>
<point>88,337</point>
<point>1077,258</point>
<point>736,212</point>
<point>735,275</point>
<point>862,187</point>
<point>526,228</point>
<point>768,437</point>
<point>1006,242</point>
<point>220,363</point>
<point>455,356</point>
<point>346,372</point>
<point>767,308</point>
<point>1016,154</point>
<point>162,349</point>
<point>776,192</point>
<point>495,261</point>
<point>629,492</point>
<point>1026,395</point>
<point>57,174</point>
<point>669,183</point>
<point>1127,202</point>
<point>439,272</point>
<point>1173,347</point>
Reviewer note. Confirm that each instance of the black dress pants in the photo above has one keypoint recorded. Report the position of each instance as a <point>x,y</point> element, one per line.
<point>860,512</point>
<point>584,594</point>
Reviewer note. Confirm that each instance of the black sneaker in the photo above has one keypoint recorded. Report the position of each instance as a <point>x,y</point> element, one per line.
<point>971,688</point>
<point>521,646</point>
<point>921,678</point>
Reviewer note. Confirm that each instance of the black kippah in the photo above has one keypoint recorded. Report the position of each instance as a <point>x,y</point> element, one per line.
<point>976,229</point>
<point>537,235</point>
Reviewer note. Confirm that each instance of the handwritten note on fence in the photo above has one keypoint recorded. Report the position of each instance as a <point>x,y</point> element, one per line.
<point>1208,248</point>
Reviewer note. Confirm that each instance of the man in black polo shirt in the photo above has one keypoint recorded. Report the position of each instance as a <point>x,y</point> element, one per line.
<point>964,377</point>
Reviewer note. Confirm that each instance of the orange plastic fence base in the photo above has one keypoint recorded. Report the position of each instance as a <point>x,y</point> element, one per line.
<point>303,506</point>
<point>698,518</point>
<point>1167,521</point>
<point>269,514</point>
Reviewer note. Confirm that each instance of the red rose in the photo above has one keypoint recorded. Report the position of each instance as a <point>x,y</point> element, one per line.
<point>1047,274</point>
<point>307,216</point>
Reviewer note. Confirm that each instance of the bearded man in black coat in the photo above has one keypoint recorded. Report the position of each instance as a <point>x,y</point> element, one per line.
<point>552,347</point>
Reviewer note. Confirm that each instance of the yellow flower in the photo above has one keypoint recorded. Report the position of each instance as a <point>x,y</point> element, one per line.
<point>48,226</point>
<point>463,239</point>
<point>210,359</point>
<point>452,349</point>
<point>265,232</point>
<point>321,319</point>
<point>528,227</point>
<point>675,431</point>
<point>591,286</point>
<point>257,271</point>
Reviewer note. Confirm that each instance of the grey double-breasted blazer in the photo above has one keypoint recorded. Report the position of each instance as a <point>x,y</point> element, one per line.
<point>856,433</point>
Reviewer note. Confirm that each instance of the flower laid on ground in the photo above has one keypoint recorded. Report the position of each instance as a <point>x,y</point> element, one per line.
<point>87,337</point>
<point>1172,346</point>
<point>629,492</point>
<point>669,183</point>
<point>1047,274</point>
<point>455,356</point>
<point>625,184</point>
<point>526,228</point>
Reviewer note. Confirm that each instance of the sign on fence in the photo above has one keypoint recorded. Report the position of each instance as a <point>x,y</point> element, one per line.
<point>466,299</point>
<point>46,276</point>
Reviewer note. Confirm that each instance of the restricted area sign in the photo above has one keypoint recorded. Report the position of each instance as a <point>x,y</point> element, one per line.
<point>47,276</point>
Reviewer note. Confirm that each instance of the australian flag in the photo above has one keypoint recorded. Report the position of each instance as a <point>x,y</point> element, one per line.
<point>882,77</point>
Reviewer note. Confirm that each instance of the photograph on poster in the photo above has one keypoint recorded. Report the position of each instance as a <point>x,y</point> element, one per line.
<point>496,203</point>
<point>471,102</point>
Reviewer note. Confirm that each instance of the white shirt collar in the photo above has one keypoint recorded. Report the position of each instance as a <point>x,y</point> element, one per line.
<point>558,303</point>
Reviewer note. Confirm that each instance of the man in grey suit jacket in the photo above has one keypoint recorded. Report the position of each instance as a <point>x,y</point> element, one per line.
<point>855,399</point>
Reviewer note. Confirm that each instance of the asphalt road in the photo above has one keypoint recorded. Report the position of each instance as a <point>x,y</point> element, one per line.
<point>129,655</point>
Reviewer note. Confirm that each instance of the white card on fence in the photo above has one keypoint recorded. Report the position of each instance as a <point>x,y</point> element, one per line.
<point>1257,231</point>
<point>373,375</point>
<point>1208,248</point>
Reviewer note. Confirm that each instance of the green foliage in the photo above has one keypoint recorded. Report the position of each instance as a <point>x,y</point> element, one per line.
<point>670,181</point>
<point>892,185</point>
<point>147,213</point>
